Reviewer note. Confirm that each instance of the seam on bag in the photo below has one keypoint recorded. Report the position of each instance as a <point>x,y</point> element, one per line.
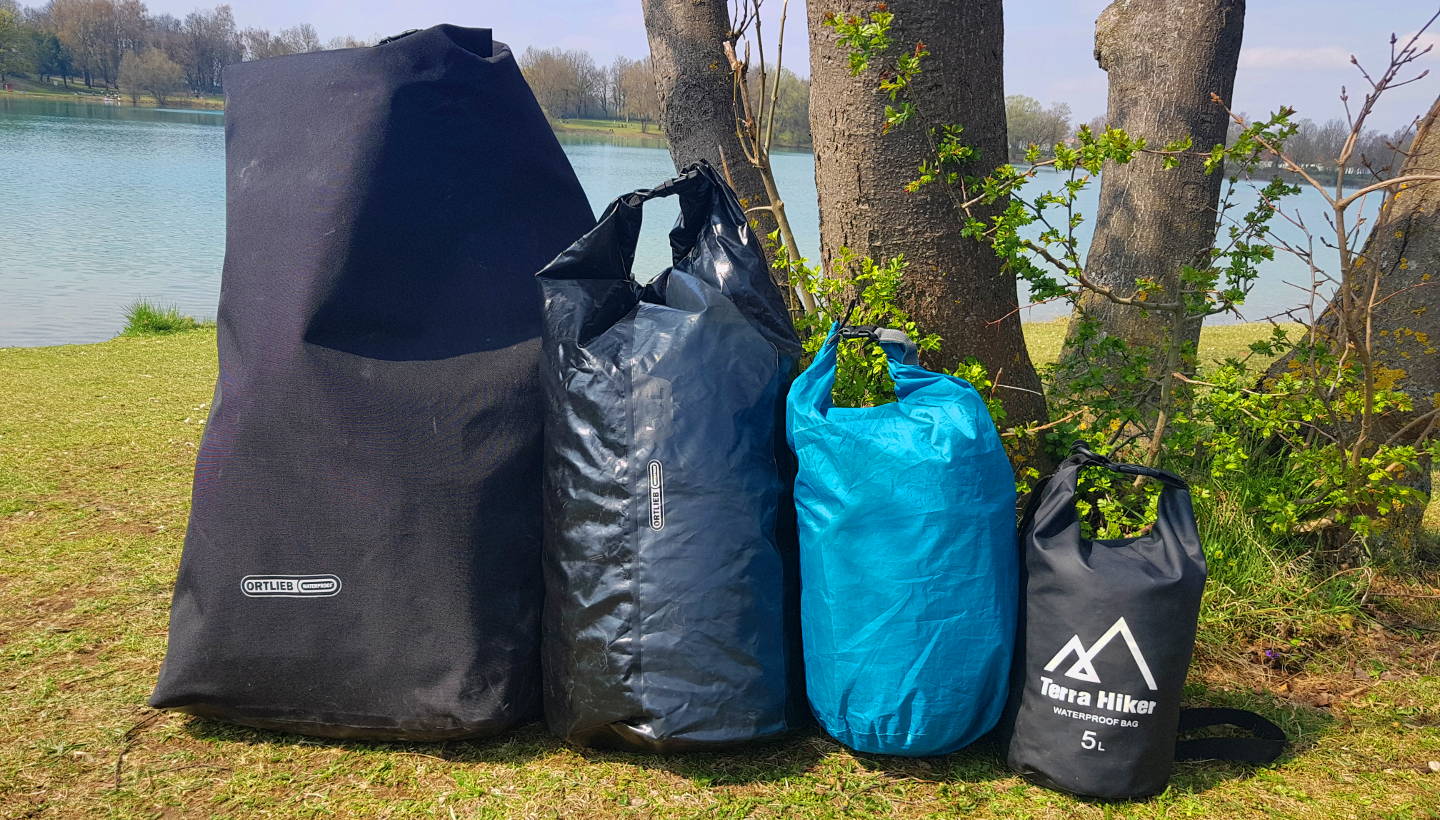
<point>631,522</point>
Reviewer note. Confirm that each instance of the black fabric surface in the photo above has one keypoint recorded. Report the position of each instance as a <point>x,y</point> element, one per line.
<point>1265,743</point>
<point>1082,603</point>
<point>669,562</point>
<point>376,428</point>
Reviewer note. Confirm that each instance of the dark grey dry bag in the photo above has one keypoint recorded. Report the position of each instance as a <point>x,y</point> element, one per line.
<point>1107,631</point>
<point>670,602</point>
<point>363,557</point>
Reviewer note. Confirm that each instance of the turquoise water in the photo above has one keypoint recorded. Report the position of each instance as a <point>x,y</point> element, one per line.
<point>103,205</point>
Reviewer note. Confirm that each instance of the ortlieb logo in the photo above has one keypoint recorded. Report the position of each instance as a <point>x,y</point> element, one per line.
<point>290,586</point>
<point>657,496</point>
<point>1084,666</point>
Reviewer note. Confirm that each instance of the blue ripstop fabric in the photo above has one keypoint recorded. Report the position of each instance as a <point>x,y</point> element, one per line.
<point>908,558</point>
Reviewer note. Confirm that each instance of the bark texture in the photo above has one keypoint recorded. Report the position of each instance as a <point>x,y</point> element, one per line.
<point>1403,252</point>
<point>1164,59</point>
<point>696,92</point>
<point>955,285</point>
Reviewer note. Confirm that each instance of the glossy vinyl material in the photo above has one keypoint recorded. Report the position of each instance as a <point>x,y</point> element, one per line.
<point>669,575</point>
<point>908,560</point>
<point>363,555</point>
<point>1107,634</point>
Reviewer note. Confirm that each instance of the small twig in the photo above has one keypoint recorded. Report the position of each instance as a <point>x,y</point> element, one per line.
<point>1014,432</point>
<point>127,740</point>
<point>1008,314</point>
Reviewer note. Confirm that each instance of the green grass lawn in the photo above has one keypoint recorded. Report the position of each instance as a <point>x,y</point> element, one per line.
<point>96,448</point>
<point>1217,343</point>
<point>77,92</point>
<point>620,127</point>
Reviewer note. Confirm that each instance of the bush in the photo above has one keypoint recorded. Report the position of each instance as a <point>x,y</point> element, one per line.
<point>148,319</point>
<point>1268,593</point>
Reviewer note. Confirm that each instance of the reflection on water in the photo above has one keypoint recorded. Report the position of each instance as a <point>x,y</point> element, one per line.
<point>103,205</point>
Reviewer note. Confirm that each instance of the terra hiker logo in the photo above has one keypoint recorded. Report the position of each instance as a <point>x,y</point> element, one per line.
<point>290,586</point>
<point>1084,666</point>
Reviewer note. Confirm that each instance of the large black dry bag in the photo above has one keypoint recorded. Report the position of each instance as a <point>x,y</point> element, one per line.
<point>1108,628</point>
<point>669,609</point>
<point>363,557</point>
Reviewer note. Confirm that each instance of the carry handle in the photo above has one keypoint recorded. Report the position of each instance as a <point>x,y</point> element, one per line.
<point>1266,744</point>
<point>1081,454</point>
<point>607,252</point>
<point>899,350</point>
<point>896,343</point>
<point>696,187</point>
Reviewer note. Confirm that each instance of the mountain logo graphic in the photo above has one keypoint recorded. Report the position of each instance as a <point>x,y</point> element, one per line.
<point>1084,666</point>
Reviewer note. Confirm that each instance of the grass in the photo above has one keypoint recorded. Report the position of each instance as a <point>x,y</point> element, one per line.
<point>149,319</point>
<point>1217,343</point>
<point>615,127</point>
<point>96,448</point>
<point>77,91</point>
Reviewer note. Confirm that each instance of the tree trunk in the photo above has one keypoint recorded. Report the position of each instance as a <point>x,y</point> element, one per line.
<point>696,92</point>
<point>955,286</point>
<point>1403,250</point>
<point>1164,59</point>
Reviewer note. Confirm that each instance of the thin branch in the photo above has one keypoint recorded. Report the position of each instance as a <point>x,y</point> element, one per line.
<point>1388,183</point>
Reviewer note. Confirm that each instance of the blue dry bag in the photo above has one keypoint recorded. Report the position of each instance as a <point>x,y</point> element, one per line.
<point>908,556</point>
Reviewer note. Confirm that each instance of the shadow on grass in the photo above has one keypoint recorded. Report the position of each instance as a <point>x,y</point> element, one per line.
<point>801,752</point>
<point>985,759</point>
<point>523,745</point>
<point>759,762</point>
<point>981,761</point>
<point>1303,726</point>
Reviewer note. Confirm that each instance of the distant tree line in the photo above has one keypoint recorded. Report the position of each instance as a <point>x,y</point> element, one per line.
<point>1314,146</point>
<point>570,84</point>
<point>119,43</point>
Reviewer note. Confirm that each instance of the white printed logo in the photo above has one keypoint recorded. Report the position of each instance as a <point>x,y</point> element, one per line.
<point>290,586</point>
<point>1084,666</point>
<point>657,496</point>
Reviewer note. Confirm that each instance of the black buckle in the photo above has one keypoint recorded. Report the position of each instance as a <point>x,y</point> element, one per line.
<point>392,38</point>
<point>859,332</point>
<point>1080,448</point>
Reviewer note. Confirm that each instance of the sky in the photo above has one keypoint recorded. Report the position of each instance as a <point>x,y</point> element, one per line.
<point>1296,52</point>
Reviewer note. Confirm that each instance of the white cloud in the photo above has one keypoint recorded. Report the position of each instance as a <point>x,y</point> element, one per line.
<point>1294,58</point>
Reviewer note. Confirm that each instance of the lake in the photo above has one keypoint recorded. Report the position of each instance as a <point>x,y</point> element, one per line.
<point>104,205</point>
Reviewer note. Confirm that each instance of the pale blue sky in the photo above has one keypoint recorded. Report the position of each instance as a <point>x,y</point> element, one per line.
<point>1296,51</point>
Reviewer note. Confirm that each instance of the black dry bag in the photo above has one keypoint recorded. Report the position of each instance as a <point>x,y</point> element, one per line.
<point>363,557</point>
<point>1108,630</point>
<point>669,610</point>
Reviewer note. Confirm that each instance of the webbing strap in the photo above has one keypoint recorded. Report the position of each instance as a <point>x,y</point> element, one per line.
<point>1267,743</point>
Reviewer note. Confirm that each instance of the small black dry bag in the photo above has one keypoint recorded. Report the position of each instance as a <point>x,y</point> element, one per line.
<point>363,557</point>
<point>670,606</point>
<point>1108,628</point>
